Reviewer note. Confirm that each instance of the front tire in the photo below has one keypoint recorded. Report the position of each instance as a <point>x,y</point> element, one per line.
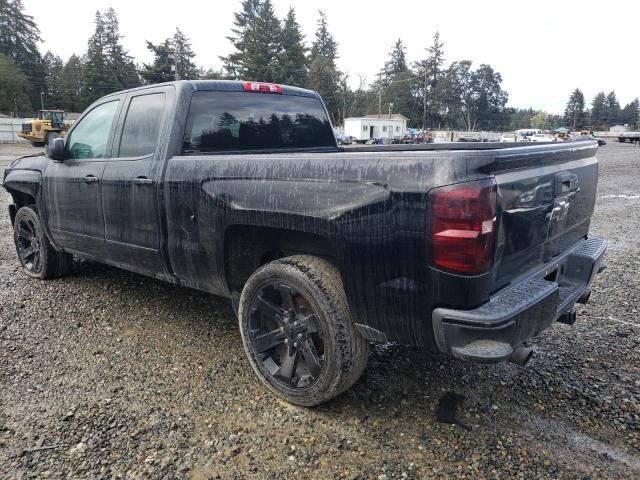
<point>37,256</point>
<point>297,330</point>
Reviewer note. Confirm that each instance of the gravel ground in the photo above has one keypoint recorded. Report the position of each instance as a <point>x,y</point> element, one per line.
<point>107,374</point>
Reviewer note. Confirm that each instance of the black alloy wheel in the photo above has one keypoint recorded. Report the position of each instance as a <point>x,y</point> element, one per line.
<point>38,258</point>
<point>297,330</point>
<point>28,245</point>
<point>286,337</point>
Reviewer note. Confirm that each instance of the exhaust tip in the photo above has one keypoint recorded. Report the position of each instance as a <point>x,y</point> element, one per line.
<point>521,356</point>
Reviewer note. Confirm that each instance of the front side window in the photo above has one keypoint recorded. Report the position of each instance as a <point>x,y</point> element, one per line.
<point>220,121</point>
<point>141,126</point>
<point>89,138</point>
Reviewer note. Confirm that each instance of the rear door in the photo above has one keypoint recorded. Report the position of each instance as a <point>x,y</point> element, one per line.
<point>131,182</point>
<point>73,195</point>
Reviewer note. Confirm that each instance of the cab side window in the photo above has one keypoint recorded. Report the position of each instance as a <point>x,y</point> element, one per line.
<point>141,126</point>
<point>89,138</point>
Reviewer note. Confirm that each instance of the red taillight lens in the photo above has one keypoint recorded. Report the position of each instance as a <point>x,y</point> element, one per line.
<point>261,87</point>
<point>463,221</point>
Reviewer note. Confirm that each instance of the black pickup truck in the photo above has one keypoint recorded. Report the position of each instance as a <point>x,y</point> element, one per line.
<point>239,189</point>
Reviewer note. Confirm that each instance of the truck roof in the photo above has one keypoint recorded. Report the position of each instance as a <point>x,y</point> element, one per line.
<point>221,85</point>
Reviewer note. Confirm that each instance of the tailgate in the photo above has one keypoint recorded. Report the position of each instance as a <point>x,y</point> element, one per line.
<point>545,201</point>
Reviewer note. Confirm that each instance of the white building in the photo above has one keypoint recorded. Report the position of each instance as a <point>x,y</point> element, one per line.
<point>376,126</point>
<point>618,129</point>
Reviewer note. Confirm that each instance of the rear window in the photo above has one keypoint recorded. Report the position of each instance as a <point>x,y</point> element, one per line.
<point>220,121</point>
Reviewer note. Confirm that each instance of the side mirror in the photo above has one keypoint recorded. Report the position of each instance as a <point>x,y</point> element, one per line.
<point>55,149</point>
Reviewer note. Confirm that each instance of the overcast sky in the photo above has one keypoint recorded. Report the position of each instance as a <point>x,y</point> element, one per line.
<point>543,49</point>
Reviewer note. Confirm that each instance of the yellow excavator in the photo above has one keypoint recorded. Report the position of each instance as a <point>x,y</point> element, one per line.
<point>40,131</point>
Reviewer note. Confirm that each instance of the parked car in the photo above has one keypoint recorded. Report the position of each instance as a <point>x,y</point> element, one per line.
<point>510,137</point>
<point>343,139</point>
<point>209,185</point>
<point>528,132</point>
<point>543,137</point>
<point>471,138</point>
<point>413,139</point>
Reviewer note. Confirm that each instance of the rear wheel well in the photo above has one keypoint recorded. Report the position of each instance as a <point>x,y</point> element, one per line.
<point>247,248</point>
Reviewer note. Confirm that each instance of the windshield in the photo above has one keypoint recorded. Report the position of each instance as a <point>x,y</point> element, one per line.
<point>56,117</point>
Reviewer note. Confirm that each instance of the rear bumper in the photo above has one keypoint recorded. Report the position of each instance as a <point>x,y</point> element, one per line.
<point>490,332</point>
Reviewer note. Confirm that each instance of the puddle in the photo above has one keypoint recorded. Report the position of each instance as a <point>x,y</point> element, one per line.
<point>626,196</point>
<point>576,442</point>
<point>129,332</point>
<point>448,408</point>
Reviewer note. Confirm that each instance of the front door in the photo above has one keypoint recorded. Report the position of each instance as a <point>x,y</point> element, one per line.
<point>72,187</point>
<point>130,186</point>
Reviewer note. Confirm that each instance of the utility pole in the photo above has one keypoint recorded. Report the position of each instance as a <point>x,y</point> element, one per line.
<point>424,101</point>
<point>379,94</point>
<point>42,100</point>
<point>174,56</point>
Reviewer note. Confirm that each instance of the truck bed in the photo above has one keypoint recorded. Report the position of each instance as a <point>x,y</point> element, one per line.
<point>370,201</point>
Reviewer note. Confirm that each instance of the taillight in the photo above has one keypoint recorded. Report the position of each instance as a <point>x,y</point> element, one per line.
<point>261,87</point>
<point>462,226</point>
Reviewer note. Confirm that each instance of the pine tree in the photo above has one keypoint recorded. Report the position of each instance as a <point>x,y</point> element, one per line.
<point>599,114</point>
<point>395,83</point>
<point>19,37</point>
<point>183,56</point>
<point>490,97</point>
<point>257,40</point>
<point>100,79</point>
<point>14,94</point>
<point>429,72</point>
<point>293,62</point>
<point>162,68</point>
<point>210,74</point>
<point>324,45</point>
<point>574,116</point>
<point>245,22</point>
<point>323,75</point>
<point>109,68</point>
<point>397,60</point>
<point>53,66</point>
<point>74,84</point>
<point>630,114</point>
<point>613,108</point>
<point>119,61</point>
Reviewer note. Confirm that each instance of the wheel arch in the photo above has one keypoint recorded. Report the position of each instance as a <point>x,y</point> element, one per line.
<point>248,247</point>
<point>24,186</point>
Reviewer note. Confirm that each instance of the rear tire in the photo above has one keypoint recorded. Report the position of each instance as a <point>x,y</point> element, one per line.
<point>37,256</point>
<point>297,330</point>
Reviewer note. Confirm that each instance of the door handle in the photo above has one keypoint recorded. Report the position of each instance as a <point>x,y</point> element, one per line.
<point>143,181</point>
<point>90,179</point>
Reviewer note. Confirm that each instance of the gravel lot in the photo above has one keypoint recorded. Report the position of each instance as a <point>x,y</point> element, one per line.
<point>107,374</point>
